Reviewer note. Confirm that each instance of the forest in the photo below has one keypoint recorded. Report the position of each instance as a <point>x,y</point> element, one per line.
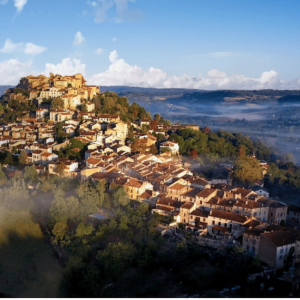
<point>122,255</point>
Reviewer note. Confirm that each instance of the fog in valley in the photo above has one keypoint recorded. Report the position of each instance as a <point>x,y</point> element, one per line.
<point>273,117</point>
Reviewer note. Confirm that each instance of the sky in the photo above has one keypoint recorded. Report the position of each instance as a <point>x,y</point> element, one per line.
<point>200,44</point>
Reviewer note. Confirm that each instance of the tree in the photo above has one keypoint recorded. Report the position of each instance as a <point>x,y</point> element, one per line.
<point>153,124</point>
<point>206,129</point>
<point>153,149</point>
<point>60,230</point>
<point>3,178</point>
<point>91,197</point>
<point>157,117</point>
<point>23,159</point>
<point>160,137</point>
<point>60,169</point>
<point>57,103</point>
<point>288,157</point>
<point>84,229</point>
<point>120,196</point>
<point>117,257</point>
<point>242,151</point>
<point>16,197</point>
<point>193,153</point>
<point>31,173</point>
<point>247,170</point>
<point>165,149</point>
<point>62,208</point>
<point>9,160</point>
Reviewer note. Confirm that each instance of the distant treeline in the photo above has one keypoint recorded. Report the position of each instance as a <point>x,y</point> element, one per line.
<point>201,94</point>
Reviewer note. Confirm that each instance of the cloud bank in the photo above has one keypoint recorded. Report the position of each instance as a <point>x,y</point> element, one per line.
<point>120,72</point>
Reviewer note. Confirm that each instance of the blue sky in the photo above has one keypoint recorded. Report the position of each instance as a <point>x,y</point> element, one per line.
<point>206,44</point>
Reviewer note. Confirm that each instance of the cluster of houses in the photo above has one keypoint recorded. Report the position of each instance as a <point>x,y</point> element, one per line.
<point>71,89</point>
<point>215,210</point>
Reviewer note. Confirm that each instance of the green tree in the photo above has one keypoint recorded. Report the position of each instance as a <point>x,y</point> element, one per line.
<point>31,174</point>
<point>16,197</point>
<point>60,230</point>
<point>9,160</point>
<point>23,159</point>
<point>247,170</point>
<point>3,178</point>
<point>84,229</point>
<point>57,103</point>
<point>153,149</point>
<point>117,257</point>
<point>62,208</point>
<point>60,169</point>
<point>120,196</point>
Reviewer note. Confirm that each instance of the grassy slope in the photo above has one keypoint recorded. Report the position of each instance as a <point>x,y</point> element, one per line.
<point>27,265</point>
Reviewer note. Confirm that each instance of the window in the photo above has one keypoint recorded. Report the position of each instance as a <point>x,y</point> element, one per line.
<point>220,224</point>
<point>213,222</point>
<point>280,257</point>
<point>200,202</point>
<point>203,219</point>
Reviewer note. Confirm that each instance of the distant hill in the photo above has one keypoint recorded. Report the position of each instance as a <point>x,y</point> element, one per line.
<point>4,88</point>
<point>203,96</point>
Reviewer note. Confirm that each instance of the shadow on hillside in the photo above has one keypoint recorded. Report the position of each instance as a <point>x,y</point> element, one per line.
<point>28,267</point>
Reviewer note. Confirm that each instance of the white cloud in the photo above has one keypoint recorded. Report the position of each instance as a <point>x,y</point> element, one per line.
<point>113,56</point>
<point>19,4</point>
<point>114,39</point>
<point>121,73</point>
<point>101,12</point>
<point>126,15</point>
<point>68,66</point>
<point>121,12</point>
<point>28,48</point>
<point>92,3</point>
<point>12,70</point>
<point>31,48</point>
<point>78,38</point>
<point>99,51</point>
<point>9,46</point>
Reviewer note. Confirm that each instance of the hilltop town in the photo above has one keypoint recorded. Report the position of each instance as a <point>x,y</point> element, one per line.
<point>66,128</point>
